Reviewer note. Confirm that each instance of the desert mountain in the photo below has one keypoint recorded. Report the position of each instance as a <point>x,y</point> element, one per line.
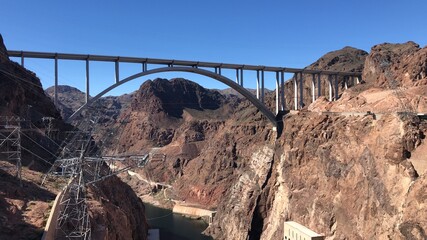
<point>394,65</point>
<point>70,99</point>
<point>172,97</point>
<point>347,59</point>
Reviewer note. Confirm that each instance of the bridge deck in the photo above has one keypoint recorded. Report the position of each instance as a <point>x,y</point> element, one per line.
<point>103,58</point>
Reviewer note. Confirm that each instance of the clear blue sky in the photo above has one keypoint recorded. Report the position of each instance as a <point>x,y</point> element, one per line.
<point>271,32</point>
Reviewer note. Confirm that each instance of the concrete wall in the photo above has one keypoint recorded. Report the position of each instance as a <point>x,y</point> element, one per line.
<point>193,211</point>
<point>50,228</point>
<point>296,231</point>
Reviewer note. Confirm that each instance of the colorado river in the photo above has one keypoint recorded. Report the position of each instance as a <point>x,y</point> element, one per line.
<point>174,226</point>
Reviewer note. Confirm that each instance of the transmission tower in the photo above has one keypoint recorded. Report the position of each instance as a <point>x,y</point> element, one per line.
<point>10,141</point>
<point>48,122</point>
<point>80,162</point>
<point>398,91</point>
<point>73,220</point>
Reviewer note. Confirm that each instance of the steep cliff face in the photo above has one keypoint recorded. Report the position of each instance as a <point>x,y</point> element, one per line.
<point>116,212</point>
<point>347,177</point>
<point>21,93</point>
<point>240,212</point>
<point>4,57</point>
<point>394,65</point>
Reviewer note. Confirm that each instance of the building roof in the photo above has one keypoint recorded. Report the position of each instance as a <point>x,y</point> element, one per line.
<point>303,229</point>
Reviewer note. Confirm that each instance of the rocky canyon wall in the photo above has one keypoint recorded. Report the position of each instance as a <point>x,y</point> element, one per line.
<point>344,177</point>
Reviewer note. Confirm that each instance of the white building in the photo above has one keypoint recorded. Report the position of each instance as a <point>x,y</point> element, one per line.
<point>296,231</point>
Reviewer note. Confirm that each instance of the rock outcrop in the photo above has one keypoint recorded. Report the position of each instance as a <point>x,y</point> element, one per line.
<point>21,93</point>
<point>348,59</point>
<point>172,97</point>
<point>116,212</point>
<point>4,57</point>
<point>244,200</point>
<point>395,65</point>
<point>347,177</point>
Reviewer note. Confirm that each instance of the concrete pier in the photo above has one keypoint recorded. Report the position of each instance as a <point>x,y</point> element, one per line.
<point>194,212</point>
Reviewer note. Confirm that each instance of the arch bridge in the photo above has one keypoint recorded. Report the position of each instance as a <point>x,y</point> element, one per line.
<point>208,69</point>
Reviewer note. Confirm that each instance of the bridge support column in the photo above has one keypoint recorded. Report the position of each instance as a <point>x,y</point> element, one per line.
<point>277,93</point>
<point>319,85</point>
<point>22,59</point>
<point>257,85</point>
<point>56,82</point>
<point>336,87</point>
<point>346,78</point>
<point>296,91</point>
<point>237,76</point>
<point>241,77</point>
<point>282,91</point>
<point>330,87</point>
<point>117,71</point>
<point>144,67</point>
<point>87,81</point>
<point>301,90</point>
<point>313,87</point>
<point>262,86</point>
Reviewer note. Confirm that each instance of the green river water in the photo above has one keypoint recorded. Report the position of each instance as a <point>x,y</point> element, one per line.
<point>174,226</point>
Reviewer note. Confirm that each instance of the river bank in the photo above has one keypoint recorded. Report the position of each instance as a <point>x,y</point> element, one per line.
<point>174,226</point>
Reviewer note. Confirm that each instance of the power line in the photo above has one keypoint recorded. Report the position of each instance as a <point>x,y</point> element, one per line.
<point>24,80</point>
<point>29,151</point>
<point>149,219</point>
<point>39,145</point>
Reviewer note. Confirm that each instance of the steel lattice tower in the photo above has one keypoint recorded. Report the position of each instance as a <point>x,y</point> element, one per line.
<point>10,139</point>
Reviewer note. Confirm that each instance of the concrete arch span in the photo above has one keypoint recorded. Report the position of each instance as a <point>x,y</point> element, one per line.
<point>248,95</point>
